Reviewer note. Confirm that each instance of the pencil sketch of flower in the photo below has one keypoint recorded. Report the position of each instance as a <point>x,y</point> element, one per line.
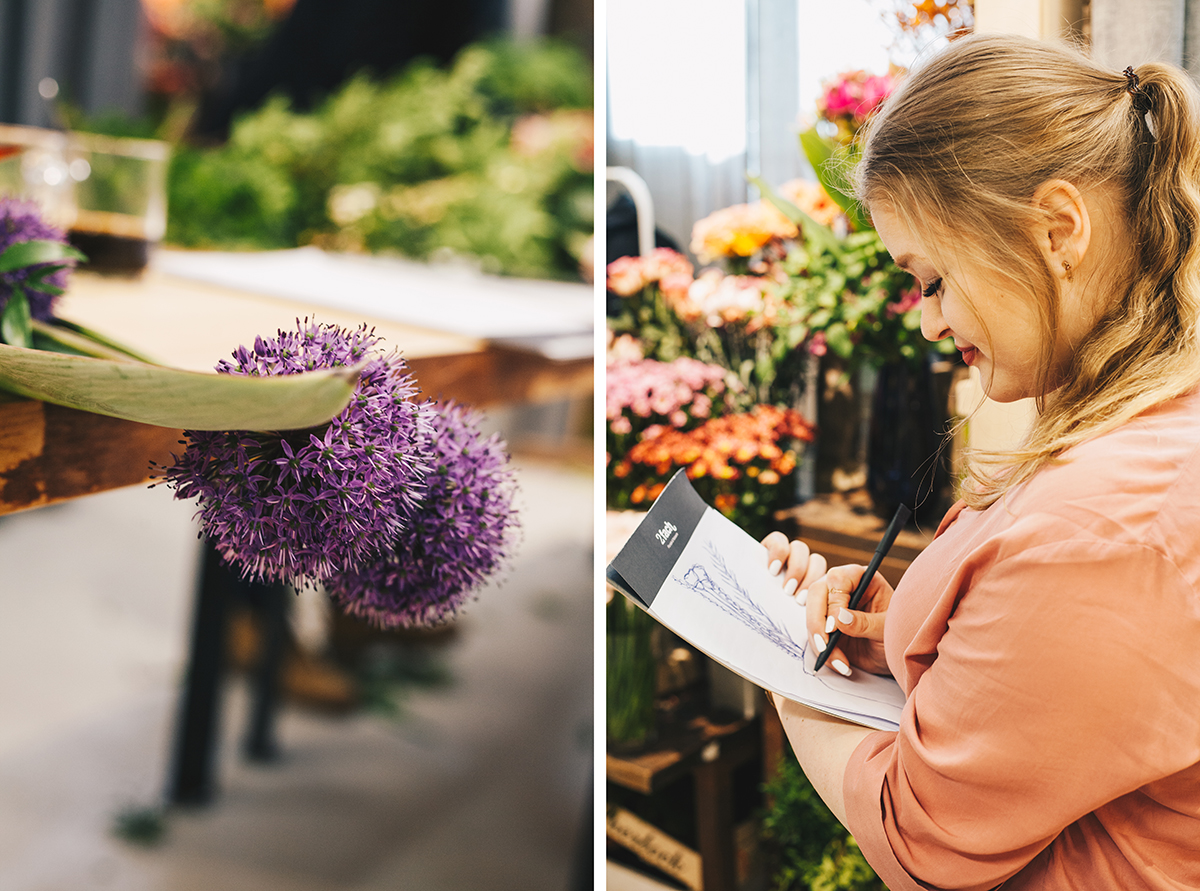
<point>729,596</point>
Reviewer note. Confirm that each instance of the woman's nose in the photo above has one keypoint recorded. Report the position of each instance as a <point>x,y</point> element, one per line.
<point>933,326</point>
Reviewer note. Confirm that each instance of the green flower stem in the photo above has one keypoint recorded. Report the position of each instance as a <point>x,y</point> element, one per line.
<point>630,680</point>
<point>83,341</point>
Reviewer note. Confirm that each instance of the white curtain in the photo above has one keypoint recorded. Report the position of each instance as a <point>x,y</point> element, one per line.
<point>677,109</point>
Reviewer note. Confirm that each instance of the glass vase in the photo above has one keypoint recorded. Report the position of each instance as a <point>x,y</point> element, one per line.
<point>631,673</point>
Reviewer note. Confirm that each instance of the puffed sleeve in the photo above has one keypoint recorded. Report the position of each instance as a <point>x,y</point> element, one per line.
<point>1068,675</point>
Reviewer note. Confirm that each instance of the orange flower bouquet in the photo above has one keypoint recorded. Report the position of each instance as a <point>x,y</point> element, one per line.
<point>740,463</point>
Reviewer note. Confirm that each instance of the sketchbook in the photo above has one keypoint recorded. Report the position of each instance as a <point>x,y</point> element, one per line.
<point>706,579</point>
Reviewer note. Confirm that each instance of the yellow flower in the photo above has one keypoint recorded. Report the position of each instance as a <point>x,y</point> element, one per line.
<point>739,231</point>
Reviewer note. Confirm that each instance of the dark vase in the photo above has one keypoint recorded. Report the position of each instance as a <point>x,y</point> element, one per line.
<point>840,446</point>
<point>908,456</point>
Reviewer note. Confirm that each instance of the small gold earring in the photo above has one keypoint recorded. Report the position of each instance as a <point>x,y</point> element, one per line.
<point>1067,270</point>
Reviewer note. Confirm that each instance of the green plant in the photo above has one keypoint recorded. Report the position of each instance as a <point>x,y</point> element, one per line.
<point>490,159</point>
<point>811,849</point>
<point>847,296</point>
<point>231,200</point>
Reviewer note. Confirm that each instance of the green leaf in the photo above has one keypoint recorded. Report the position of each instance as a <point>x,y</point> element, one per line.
<point>814,232</point>
<point>15,322</point>
<point>31,253</point>
<point>838,339</point>
<point>171,397</point>
<point>827,159</point>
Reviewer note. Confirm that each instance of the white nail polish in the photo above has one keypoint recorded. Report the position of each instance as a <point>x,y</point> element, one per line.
<point>830,624</point>
<point>845,616</point>
<point>819,643</point>
<point>802,597</point>
<point>790,587</point>
<point>841,667</point>
<point>775,566</point>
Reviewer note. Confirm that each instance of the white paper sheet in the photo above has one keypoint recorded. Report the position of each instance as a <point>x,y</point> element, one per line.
<point>720,597</point>
<point>442,298</point>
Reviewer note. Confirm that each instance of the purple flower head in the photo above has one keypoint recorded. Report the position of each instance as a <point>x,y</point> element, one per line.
<point>22,221</point>
<point>300,505</point>
<point>460,536</point>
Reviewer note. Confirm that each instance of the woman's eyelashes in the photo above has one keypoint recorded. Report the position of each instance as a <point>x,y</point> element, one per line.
<point>932,288</point>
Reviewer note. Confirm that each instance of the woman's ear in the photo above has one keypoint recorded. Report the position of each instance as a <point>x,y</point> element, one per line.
<point>1065,231</point>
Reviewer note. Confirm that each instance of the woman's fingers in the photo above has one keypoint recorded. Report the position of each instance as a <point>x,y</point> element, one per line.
<point>778,551</point>
<point>838,662</point>
<point>808,567</point>
<point>860,624</point>
<point>794,562</point>
<point>825,596</point>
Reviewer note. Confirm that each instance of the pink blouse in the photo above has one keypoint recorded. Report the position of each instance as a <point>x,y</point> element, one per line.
<point>1049,647</point>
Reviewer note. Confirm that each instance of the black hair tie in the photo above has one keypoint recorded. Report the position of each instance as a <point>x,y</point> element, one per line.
<point>1140,100</point>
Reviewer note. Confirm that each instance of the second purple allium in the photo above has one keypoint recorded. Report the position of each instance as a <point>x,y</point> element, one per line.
<point>460,536</point>
<point>22,221</point>
<point>300,505</point>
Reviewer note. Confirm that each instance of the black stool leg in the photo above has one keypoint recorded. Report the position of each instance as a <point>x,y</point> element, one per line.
<point>191,780</point>
<point>260,744</point>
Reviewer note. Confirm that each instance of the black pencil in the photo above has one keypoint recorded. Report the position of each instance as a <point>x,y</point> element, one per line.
<point>885,545</point>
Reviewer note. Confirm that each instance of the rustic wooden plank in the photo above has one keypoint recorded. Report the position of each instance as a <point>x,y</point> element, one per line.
<point>672,757</point>
<point>494,375</point>
<point>49,453</point>
<point>843,531</point>
<point>849,522</point>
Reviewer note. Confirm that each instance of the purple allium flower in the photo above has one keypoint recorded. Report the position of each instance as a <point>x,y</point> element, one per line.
<point>22,221</point>
<point>300,505</point>
<point>460,536</point>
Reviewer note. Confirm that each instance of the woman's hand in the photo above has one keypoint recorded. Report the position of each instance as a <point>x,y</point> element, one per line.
<point>800,566</point>
<point>861,644</point>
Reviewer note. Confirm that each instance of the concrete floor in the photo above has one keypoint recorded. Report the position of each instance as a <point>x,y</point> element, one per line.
<point>477,785</point>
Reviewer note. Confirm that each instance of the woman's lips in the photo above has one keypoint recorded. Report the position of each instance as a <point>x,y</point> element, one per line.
<point>968,354</point>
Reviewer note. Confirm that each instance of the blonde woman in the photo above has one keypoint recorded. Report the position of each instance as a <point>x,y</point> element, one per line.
<point>1048,639</point>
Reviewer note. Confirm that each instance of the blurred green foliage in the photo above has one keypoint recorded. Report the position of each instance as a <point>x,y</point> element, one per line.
<point>489,159</point>
<point>811,849</point>
<point>140,825</point>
